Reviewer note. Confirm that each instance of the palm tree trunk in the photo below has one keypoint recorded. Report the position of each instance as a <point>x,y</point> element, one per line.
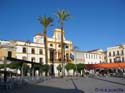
<point>62,48</point>
<point>46,49</point>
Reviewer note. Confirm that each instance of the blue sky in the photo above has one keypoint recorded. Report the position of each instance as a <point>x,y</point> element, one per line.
<point>94,23</point>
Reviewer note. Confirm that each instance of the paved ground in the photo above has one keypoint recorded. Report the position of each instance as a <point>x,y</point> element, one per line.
<point>76,85</point>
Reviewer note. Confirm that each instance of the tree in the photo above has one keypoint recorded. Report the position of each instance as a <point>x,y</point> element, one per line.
<point>14,65</point>
<point>62,15</point>
<point>80,67</point>
<point>18,65</point>
<point>25,68</point>
<point>1,66</point>
<point>45,68</point>
<point>59,68</point>
<point>45,22</point>
<point>37,67</point>
<point>69,66</point>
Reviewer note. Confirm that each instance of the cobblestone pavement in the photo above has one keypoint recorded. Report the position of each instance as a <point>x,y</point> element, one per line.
<point>76,85</point>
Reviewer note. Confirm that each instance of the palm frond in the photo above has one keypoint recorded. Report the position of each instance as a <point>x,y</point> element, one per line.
<point>62,15</point>
<point>45,21</point>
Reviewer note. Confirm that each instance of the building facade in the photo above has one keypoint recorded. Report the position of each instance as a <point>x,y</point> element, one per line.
<point>7,49</point>
<point>35,51</point>
<point>54,43</point>
<point>89,57</point>
<point>116,53</point>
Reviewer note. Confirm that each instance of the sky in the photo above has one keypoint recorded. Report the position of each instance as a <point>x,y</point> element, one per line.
<point>94,23</point>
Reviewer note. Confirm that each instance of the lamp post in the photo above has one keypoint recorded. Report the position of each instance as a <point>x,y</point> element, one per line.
<point>75,48</point>
<point>5,74</point>
<point>27,45</point>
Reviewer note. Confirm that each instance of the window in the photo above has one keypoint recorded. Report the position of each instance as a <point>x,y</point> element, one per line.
<point>67,46</point>
<point>123,59</point>
<point>24,50</point>
<point>67,54</point>
<point>110,60</point>
<point>92,56</point>
<point>59,45</point>
<point>33,51</point>
<point>40,51</point>
<point>86,56</point>
<point>9,54</point>
<point>117,52</point>
<point>109,53</point>
<point>100,57</point>
<point>89,56</point>
<point>113,53</point>
<point>33,59</point>
<point>51,44</point>
<point>122,52</point>
<point>41,60</point>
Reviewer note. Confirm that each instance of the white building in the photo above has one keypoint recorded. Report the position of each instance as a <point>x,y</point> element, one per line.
<point>116,53</point>
<point>88,57</point>
<point>30,51</point>
<point>35,51</point>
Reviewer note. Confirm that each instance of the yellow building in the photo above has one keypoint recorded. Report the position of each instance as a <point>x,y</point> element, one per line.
<point>55,44</point>
<point>7,49</point>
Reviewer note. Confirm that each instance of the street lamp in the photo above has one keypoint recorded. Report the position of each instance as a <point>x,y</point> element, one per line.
<point>5,74</point>
<point>75,48</point>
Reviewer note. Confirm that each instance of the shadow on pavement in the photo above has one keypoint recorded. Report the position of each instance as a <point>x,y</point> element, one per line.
<point>108,81</point>
<point>42,89</point>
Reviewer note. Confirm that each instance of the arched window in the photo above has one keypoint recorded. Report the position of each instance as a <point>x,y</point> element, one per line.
<point>117,52</point>
<point>114,59</point>
<point>109,53</point>
<point>113,53</point>
<point>110,60</point>
<point>40,51</point>
<point>24,50</point>
<point>122,52</point>
<point>41,60</point>
<point>123,59</point>
<point>59,45</point>
<point>33,51</point>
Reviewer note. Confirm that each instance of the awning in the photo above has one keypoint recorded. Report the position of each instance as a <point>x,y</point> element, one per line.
<point>105,65</point>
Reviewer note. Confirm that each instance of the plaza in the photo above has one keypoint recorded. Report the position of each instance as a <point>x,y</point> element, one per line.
<point>75,85</point>
<point>42,52</point>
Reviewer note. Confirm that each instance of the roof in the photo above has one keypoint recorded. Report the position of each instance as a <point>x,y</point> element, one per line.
<point>39,34</point>
<point>93,50</point>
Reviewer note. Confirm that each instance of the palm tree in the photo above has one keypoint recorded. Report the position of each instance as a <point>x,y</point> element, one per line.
<point>62,15</point>
<point>45,22</point>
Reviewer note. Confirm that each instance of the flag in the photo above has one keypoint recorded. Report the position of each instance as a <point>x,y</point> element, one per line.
<point>71,56</point>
